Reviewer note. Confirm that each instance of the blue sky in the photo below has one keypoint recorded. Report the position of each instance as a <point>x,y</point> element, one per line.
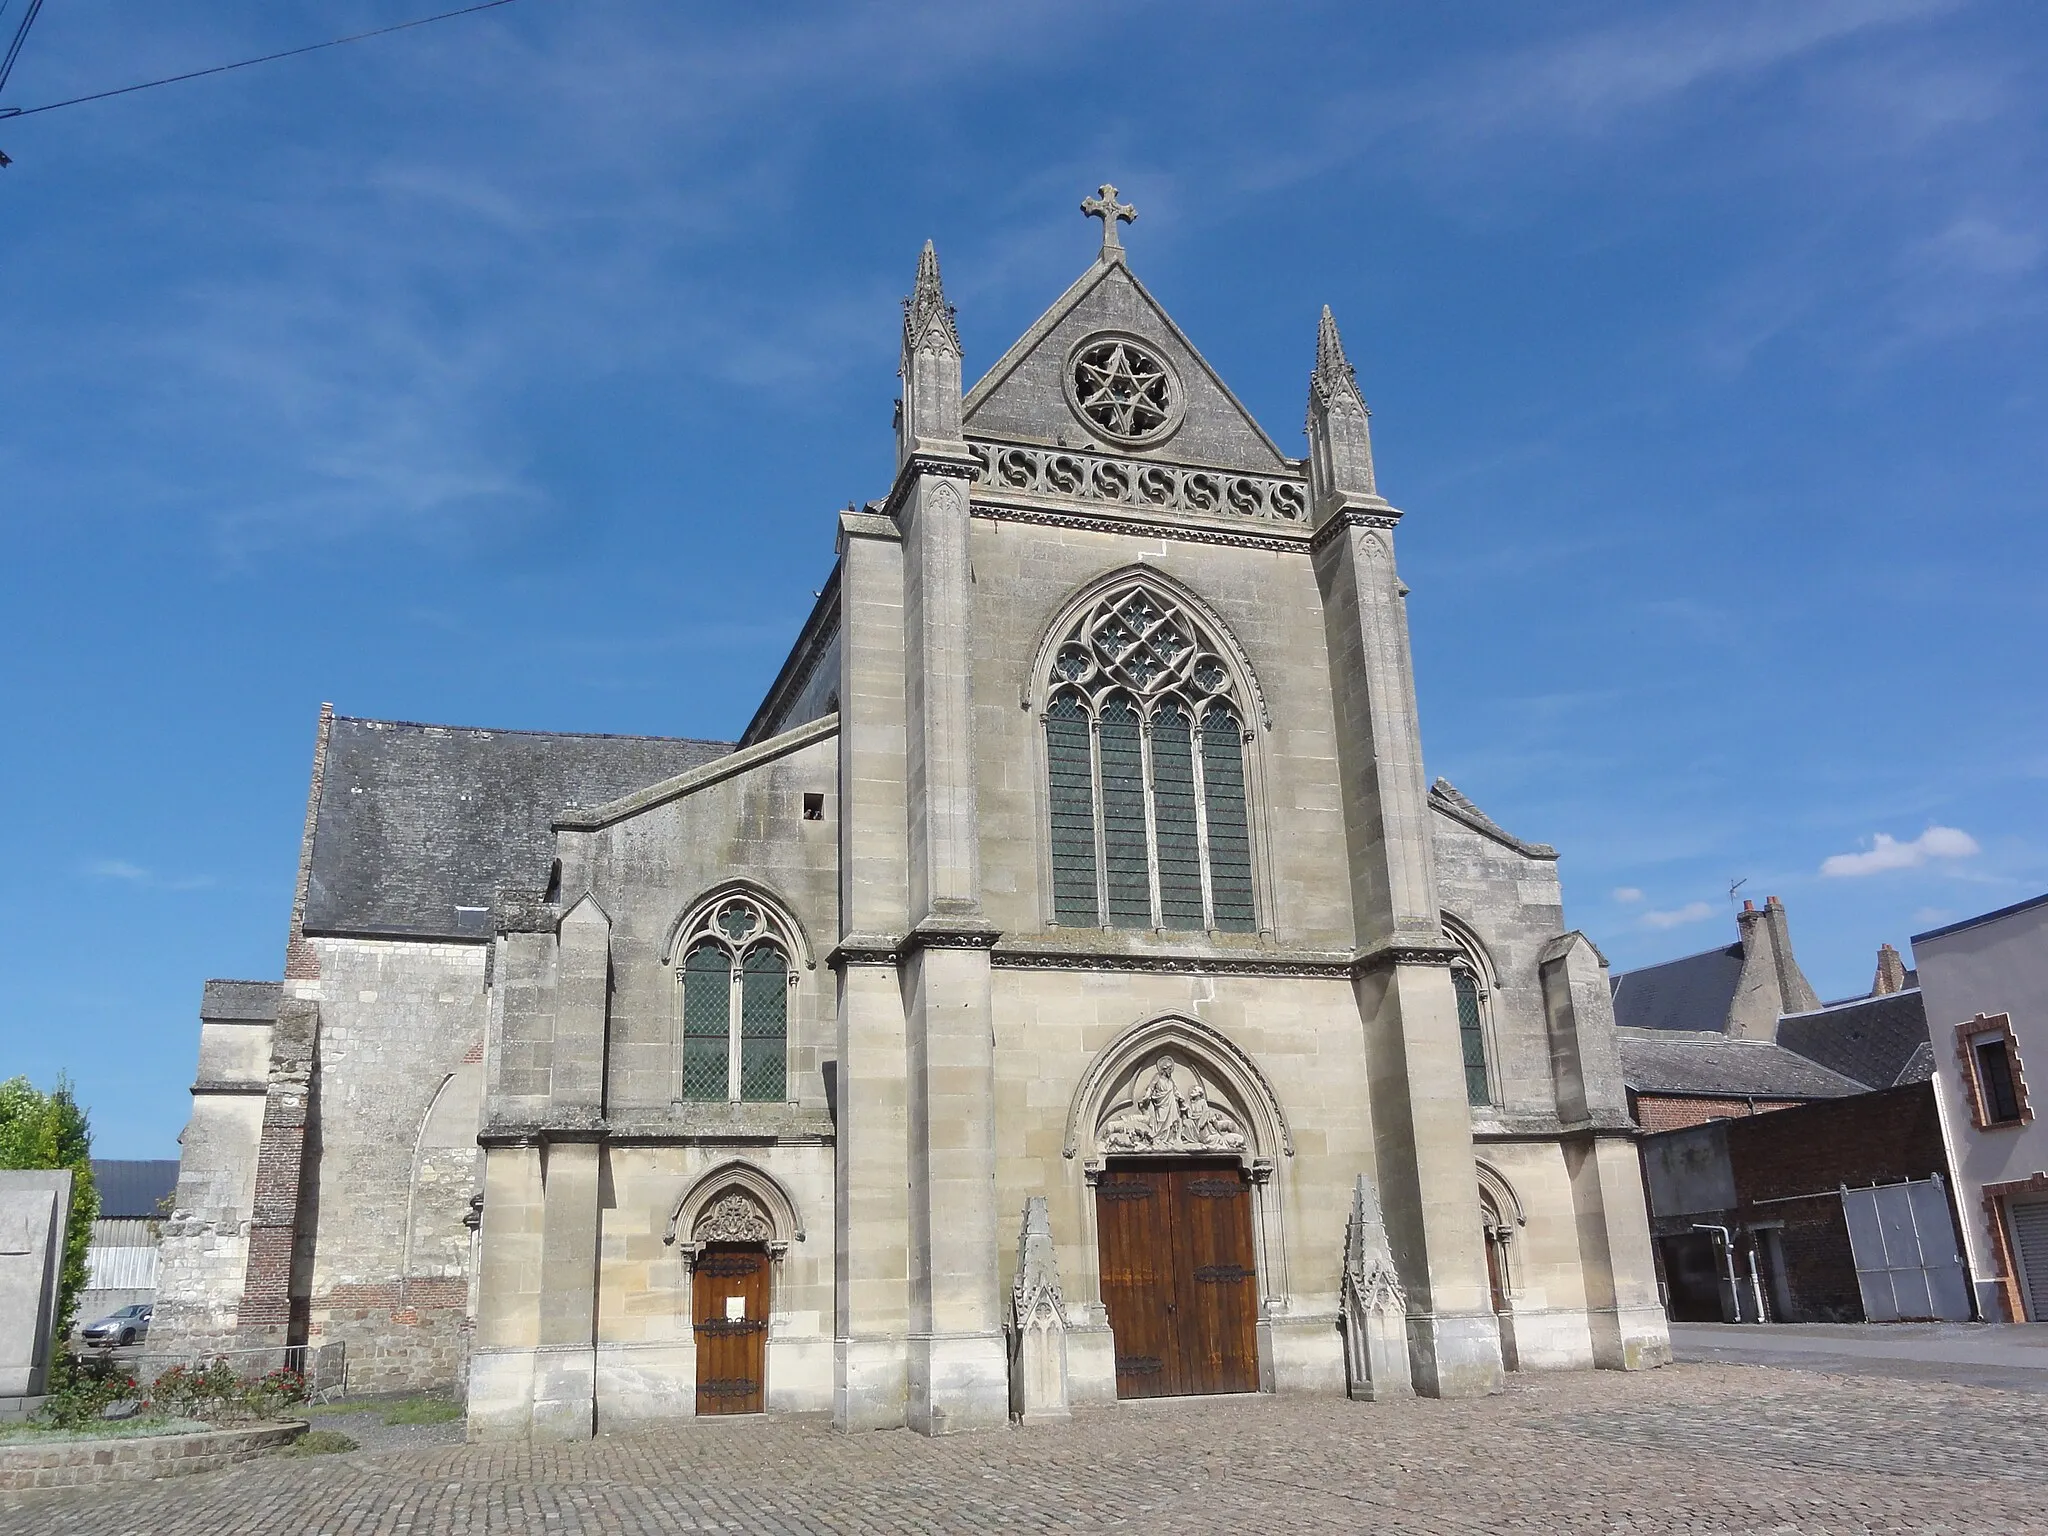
<point>509,371</point>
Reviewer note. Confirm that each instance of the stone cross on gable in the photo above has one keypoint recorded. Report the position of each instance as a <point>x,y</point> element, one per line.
<point>1105,207</point>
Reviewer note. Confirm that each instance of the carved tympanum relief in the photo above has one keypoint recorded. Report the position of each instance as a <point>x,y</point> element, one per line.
<point>733,1218</point>
<point>1168,1108</point>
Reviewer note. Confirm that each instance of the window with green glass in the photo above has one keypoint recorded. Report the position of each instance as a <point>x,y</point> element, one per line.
<point>733,988</point>
<point>1471,1035</point>
<point>707,1021</point>
<point>1146,773</point>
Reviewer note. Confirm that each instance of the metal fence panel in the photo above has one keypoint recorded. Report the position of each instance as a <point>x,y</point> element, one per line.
<point>1904,1243</point>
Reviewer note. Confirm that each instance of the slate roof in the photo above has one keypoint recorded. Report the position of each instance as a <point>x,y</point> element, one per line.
<point>419,826</point>
<point>1692,993</point>
<point>1714,1066</point>
<point>1868,1038</point>
<point>1919,1066</point>
<point>132,1189</point>
<point>240,1001</point>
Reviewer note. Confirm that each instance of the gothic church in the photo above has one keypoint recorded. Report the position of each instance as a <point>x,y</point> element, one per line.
<point>1068,988</point>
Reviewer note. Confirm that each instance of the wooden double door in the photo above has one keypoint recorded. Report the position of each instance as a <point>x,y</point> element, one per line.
<point>729,1307</point>
<point>1179,1276</point>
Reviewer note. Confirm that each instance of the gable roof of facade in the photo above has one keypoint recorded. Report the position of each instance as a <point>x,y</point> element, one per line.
<point>1024,396</point>
<point>1691,993</point>
<point>419,826</point>
<point>1871,1039</point>
<point>1698,1065</point>
<point>133,1188</point>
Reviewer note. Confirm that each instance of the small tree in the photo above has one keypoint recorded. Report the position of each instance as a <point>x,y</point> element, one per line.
<point>49,1130</point>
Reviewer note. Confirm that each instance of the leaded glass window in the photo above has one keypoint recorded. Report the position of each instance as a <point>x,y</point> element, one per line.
<point>1471,1035</point>
<point>1144,745</point>
<point>733,990</point>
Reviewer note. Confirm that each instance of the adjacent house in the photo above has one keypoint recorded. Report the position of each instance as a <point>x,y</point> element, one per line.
<point>1985,984</point>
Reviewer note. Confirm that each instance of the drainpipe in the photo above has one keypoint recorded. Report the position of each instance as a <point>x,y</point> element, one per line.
<point>1728,1253</point>
<point>1756,1284</point>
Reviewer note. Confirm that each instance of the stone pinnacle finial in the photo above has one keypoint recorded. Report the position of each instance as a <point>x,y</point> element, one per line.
<point>1105,207</point>
<point>927,317</point>
<point>1333,369</point>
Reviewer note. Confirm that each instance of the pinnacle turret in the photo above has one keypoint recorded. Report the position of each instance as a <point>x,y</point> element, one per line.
<point>929,414</point>
<point>1339,433</point>
<point>927,317</point>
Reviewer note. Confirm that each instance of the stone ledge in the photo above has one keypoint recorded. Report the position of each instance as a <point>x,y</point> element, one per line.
<point>81,1463</point>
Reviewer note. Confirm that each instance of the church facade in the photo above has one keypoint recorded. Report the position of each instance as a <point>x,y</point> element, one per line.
<point>1068,988</point>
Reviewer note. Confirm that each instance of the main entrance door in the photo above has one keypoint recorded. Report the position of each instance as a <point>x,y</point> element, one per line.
<point>729,1302</point>
<point>1178,1276</point>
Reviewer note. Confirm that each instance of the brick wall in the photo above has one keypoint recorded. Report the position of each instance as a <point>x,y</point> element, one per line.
<point>1656,1113</point>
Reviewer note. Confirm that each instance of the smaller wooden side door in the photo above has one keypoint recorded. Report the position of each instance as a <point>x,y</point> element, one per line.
<point>729,1305</point>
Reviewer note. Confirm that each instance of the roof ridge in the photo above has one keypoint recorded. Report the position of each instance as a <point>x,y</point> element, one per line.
<point>516,730</point>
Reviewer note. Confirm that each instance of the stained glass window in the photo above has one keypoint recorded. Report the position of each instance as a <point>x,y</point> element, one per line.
<point>1072,783</point>
<point>1146,777</point>
<point>733,986</point>
<point>764,1024</point>
<point>1472,1035</point>
<point>707,1015</point>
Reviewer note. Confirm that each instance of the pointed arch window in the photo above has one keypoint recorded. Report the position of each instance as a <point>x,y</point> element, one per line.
<point>1145,772</point>
<point>733,988</point>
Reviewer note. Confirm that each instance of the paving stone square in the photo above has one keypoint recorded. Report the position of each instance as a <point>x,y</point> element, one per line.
<point>1693,1448</point>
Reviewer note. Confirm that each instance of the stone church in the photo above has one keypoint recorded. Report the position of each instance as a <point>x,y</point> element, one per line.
<point>1068,988</point>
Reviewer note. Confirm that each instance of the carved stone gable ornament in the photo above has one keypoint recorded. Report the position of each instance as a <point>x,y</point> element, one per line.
<point>733,1218</point>
<point>1168,1109</point>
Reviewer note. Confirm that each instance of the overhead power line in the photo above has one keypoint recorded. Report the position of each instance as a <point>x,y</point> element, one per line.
<point>221,69</point>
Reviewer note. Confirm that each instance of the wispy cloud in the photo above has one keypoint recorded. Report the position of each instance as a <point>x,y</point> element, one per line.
<point>1887,853</point>
<point>123,872</point>
<point>1627,894</point>
<point>1691,912</point>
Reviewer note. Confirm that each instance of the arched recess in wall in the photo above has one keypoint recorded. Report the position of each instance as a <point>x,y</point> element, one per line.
<point>446,1170</point>
<point>1474,980</point>
<point>734,1202</point>
<point>1151,754</point>
<point>1174,1084</point>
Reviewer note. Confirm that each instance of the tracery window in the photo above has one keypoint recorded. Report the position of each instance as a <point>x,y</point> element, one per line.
<point>734,983</point>
<point>1145,741</point>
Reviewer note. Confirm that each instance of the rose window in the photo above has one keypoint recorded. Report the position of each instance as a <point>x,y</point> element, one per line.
<point>1124,390</point>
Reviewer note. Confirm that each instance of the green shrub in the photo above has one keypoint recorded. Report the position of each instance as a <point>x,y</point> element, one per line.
<point>49,1130</point>
<point>81,1389</point>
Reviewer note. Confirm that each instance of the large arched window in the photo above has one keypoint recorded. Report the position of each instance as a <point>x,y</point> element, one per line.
<point>733,986</point>
<point>1145,766</point>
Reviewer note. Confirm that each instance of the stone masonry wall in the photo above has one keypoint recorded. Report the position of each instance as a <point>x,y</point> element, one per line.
<point>393,1156</point>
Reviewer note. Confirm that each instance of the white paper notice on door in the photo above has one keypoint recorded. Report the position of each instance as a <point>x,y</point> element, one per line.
<point>736,1308</point>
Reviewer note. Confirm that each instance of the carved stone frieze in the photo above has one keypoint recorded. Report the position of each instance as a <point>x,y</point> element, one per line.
<point>1168,1108</point>
<point>1083,476</point>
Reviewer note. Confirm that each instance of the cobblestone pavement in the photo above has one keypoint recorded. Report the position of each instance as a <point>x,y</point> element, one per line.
<point>1696,1448</point>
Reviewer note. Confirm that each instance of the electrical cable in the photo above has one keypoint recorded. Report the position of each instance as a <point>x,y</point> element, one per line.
<point>221,69</point>
<point>20,36</point>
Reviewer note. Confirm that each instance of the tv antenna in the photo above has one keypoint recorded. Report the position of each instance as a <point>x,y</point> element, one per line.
<point>1734,886</point>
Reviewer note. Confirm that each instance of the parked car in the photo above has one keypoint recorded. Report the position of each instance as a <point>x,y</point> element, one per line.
<point>123,1327</point>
